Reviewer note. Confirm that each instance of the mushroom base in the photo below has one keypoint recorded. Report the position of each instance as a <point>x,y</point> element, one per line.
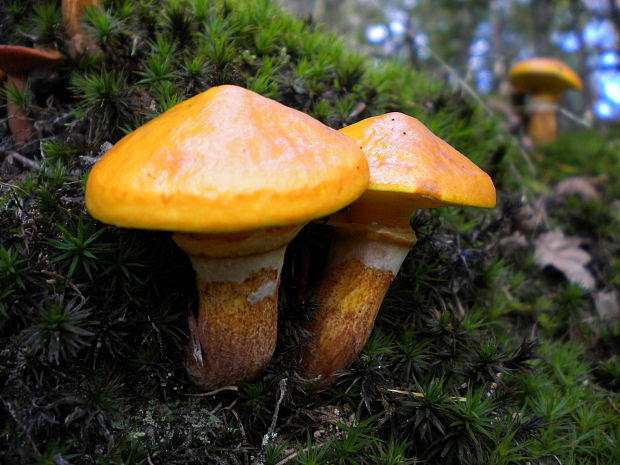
<point>234,332</point>
<point>542,122</point>
<point>358,274</point>
<point>233,335</point>
<point>20,124</point>
<point>72,13</point>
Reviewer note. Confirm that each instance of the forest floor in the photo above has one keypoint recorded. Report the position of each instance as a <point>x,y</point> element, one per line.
<point>499,341</point>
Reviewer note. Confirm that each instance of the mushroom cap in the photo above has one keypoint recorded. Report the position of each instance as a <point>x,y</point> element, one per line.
<point>543,76</point>
<point>409,165</point>
<point>15,59</point>
<point>222,161</point>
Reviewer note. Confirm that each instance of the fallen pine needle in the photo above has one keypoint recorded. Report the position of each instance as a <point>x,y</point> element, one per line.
<point>419,394</point>
<point>210,393</point>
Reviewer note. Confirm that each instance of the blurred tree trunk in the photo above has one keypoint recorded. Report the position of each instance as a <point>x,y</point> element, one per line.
<point>577,14</point>
<point>453,45</point>
<point>615,13</point>
<point>318,11</point>
<point>499,57</point>
<point>542,12</point>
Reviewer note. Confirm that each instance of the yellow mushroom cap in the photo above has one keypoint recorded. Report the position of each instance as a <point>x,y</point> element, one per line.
<point>543,76</point>
<point>226,160</point>
<point>405,157</point>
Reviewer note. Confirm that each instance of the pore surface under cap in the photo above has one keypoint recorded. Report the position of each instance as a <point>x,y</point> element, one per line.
<point>407,159</point>
<point>226,160</point>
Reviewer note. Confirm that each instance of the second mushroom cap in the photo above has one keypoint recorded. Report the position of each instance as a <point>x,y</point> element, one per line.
<point>543,75</point>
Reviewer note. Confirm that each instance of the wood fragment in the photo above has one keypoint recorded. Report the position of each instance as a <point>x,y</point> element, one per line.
<point>22,160</point>
<point>216,391</point>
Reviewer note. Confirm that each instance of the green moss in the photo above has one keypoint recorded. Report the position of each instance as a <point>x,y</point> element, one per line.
<point>583,153</point>
<point>93,318</point>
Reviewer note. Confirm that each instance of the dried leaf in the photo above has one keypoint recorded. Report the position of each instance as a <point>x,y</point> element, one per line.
<point>512,244</point>
<point>606,304</point>
<point>577,186</point>
<point>565,255</point>
<point>532,217</point>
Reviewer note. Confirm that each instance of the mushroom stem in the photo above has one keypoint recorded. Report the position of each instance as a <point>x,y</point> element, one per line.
<point>360,269</point>
<point>72,13</point>
<point>19,123</point>
<point>233,335</point>
<point>542,126</point>
<point>17,62</point>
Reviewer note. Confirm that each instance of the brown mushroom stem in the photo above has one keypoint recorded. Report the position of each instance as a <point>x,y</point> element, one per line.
<point>360,269</point>
<point>72,12</point>
<point>233,335</point>
<point>542,126</point>
<point>20,124</point>
<point>17,62</point>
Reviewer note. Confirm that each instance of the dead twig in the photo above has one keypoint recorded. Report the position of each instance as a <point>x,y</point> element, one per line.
<point>288,458</point>
<point>270,435</point>
<point>274,419</point>
<point>421,395</point>
<point>24,161</point>
<point>213,411</point>
<point>461,82</point>
<point>359,108</point>
<point>13,186</point>
<point>614,406</point>
<point>494,384</point>
<point>56,276</point>
<point>216,391</point>
<point>528,160</point>
<point>231,405</point>
<point>574,118</point>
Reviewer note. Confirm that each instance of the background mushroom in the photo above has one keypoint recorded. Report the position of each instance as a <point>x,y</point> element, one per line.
<point>235,176</point>
<point>544,80</point>
<point>17,62</point>
<point>410,168</point>
<point>72,12</point>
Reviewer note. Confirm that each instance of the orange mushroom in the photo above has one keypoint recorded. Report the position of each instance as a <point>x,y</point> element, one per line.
<point>17,62</point>
<point>544,80</point>
<point>410,168</point>
<point>235,175</point>
<point>72,12</point>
